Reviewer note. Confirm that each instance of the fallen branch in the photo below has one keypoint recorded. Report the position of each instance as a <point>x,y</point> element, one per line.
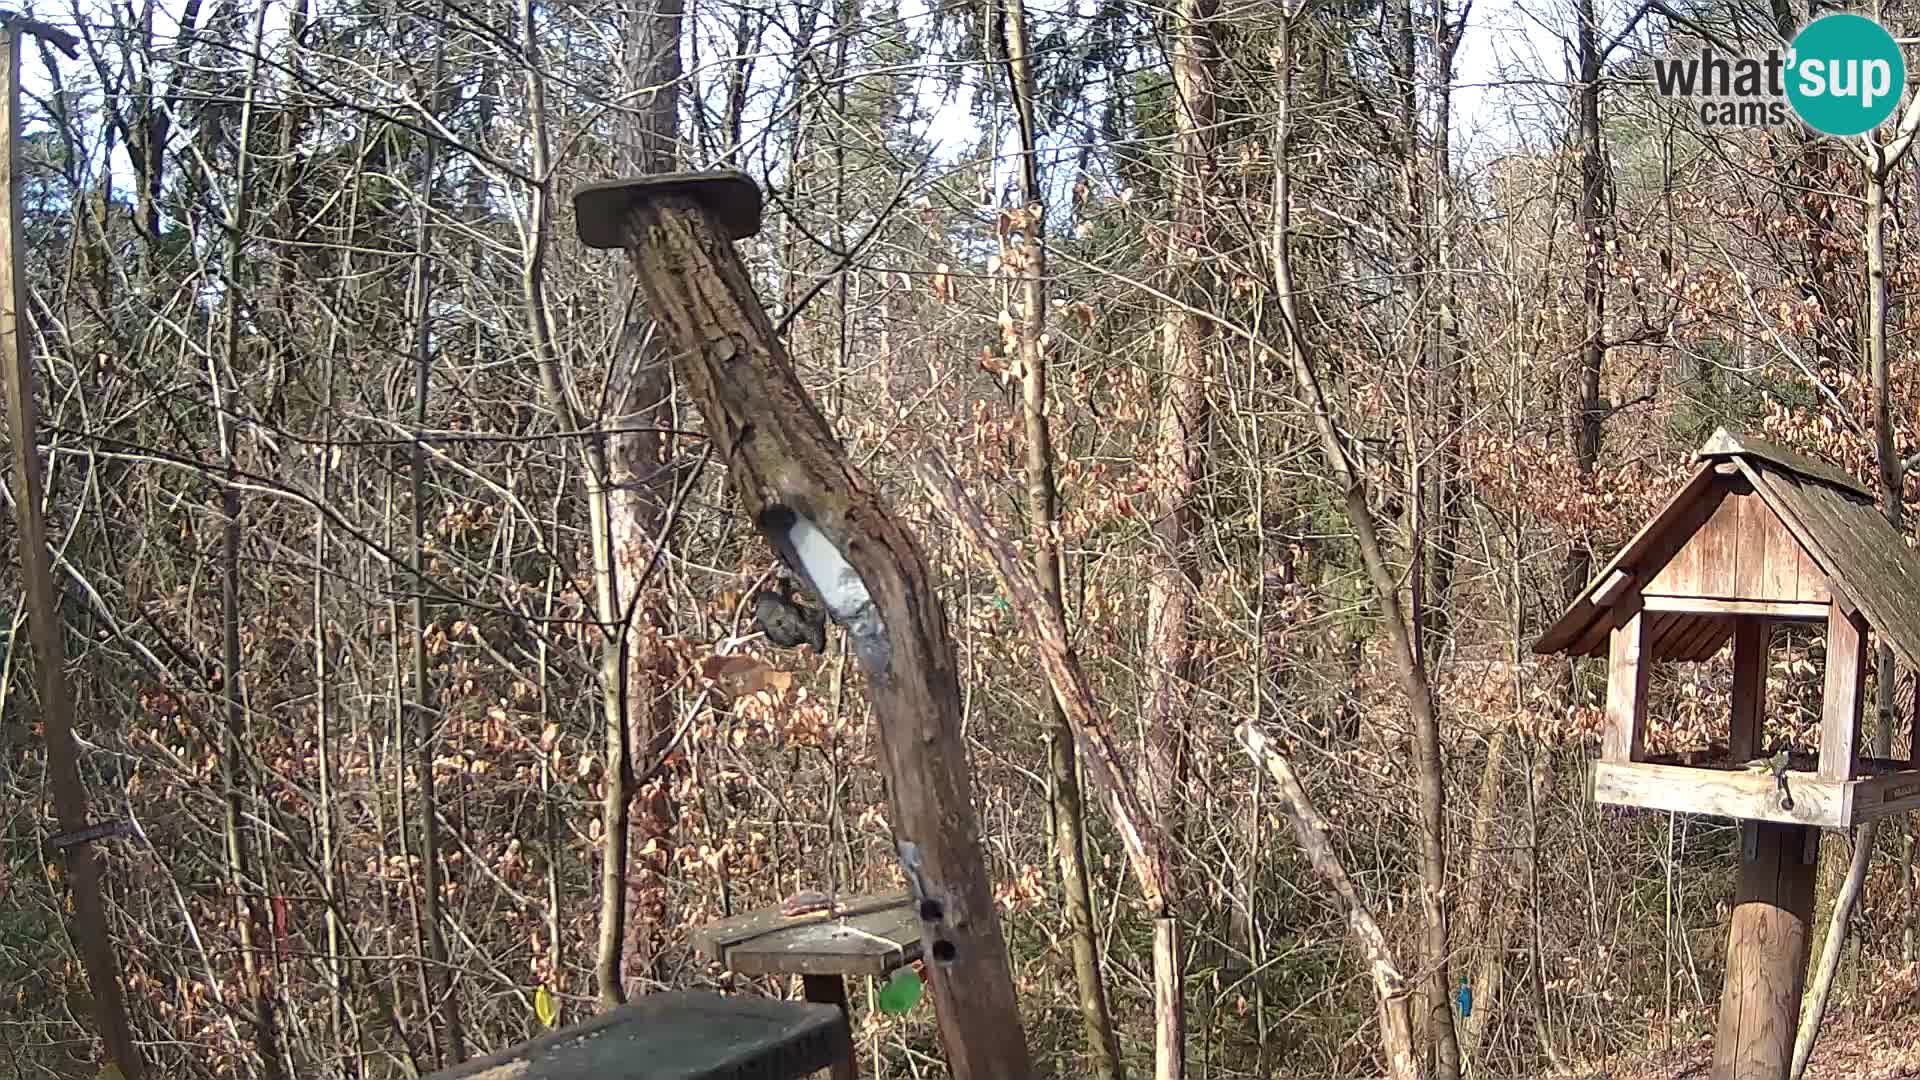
<point>1048,631</point>
<point>1310,829</point>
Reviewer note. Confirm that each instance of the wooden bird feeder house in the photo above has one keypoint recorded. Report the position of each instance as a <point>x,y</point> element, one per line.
<point>1759,535</point>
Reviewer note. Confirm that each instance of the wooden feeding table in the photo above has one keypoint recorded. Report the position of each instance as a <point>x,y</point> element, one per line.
<point>1759,535</point>
<point>863,935</point>
<point>677,1036</point>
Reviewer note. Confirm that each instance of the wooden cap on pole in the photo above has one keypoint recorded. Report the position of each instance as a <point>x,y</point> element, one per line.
<point>732,198</point>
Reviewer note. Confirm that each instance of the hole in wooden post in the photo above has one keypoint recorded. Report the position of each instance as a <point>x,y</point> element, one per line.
<point>931,910</point>
<point>944,951</point>
<point>817,560</point>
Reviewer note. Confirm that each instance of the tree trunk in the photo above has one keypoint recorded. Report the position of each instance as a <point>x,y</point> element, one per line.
<point>1030,257</point>
<point>796,483</point>
<point>1428,764</point>
<point>1589,409</point>
<point>437,977</point>
<point>1181,455</point>
<point>1444,361</point>
<point>1892,484</point>
<point>1128,810</point>
<point>1391,993</point>
<point>87,925</point>
<point>234,744</point>
<point>1488,927</point>
<point>625,476</point>
<point>639,482</point>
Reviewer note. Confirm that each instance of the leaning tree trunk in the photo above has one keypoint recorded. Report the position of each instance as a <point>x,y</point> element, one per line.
<point>796,483</point>
<point>1391,993</point>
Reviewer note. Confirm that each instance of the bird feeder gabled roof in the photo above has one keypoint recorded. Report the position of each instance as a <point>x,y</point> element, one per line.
<point>1866,563</point>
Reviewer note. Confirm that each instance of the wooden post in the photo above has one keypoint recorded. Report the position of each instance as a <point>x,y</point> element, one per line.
<point>1627,668</point>
<point>1840,701</point>
<point>89,922</point>
<point>1767,954</point>
<point>1750,637</point>
<point>832,990</point>
<point>819,512</point>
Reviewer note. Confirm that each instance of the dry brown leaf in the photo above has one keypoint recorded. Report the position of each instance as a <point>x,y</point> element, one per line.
<point>743,676</point>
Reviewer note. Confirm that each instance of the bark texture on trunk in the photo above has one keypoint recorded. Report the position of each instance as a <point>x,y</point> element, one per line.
<point>1180,465</point>
<point>1103,1044</point>
<point>1445,360</point>
<point>639,482</point>
<point>795,481</point>
<point>1588,411</point>
<point>1429,765</point>
<point>88,921</point>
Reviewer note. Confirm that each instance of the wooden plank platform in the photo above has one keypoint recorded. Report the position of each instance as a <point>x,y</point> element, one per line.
<point>865,935</point>
<point>678,1036</point>
<point>1753,794</point>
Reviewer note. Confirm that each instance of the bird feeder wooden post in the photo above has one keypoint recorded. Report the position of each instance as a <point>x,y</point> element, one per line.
<point>838,538</point>
<point>1759,535</point>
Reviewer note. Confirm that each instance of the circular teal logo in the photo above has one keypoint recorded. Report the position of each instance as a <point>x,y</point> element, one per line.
<point>1845,75</point>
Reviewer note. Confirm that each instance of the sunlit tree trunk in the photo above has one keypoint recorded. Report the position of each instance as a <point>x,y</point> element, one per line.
<point>1030,261</point>
<point>639,478</point>
<point>1397,623</point>
<point>1180,457</point>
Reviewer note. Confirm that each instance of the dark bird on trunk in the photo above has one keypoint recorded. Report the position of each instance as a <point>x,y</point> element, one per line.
<point>787,624</point>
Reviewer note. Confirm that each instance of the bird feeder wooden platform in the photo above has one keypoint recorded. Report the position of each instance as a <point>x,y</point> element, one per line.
<point>677,1036</point>
<point>862,935</point>
<point>1759,535</point>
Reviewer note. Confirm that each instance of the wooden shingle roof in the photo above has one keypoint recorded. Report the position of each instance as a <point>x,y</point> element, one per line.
<point>1867,563</point>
